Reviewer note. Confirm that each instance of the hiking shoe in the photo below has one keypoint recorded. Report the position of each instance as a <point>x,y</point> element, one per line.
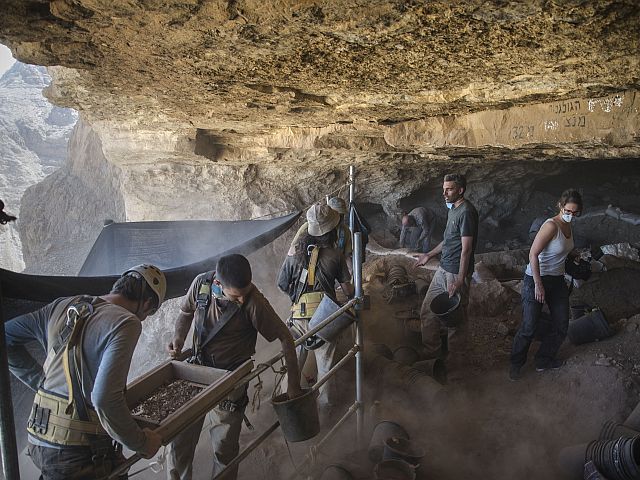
<point>552,365</point>
<point>514,373</point>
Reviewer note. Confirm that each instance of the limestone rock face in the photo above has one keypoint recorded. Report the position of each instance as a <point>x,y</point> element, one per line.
<point>33,143</point>
<point>239,109</point>
<point>62,215</point>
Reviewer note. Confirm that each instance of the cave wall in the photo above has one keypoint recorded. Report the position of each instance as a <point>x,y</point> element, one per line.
<point>62,215</point>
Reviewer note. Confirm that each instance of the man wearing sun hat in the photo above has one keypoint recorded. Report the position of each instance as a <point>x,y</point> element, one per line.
<point>343,241</point>
<point>307,276</point>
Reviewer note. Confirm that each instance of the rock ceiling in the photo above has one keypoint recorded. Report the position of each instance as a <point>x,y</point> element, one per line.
<point>239,79</point>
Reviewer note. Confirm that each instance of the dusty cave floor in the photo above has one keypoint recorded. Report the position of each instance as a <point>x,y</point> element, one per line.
<point>487,426</point>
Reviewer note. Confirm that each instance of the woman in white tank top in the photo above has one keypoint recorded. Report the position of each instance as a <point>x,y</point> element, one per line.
<point>544,283</point>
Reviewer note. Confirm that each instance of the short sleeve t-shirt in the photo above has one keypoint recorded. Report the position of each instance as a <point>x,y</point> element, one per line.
<point>236,342</point>
<point>462,221</point>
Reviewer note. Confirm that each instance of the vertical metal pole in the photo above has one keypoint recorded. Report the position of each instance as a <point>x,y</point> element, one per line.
<point>357,280</point>
<point>352,198</point>
<point>8,441</point>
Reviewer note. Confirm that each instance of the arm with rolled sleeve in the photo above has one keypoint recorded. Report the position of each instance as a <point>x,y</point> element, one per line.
<point>108,395</point>
<point>22,330</point>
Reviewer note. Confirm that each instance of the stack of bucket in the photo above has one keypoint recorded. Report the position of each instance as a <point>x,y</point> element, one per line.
<point>402,370</point>
<point>615,455</point>
<point>395,455</point>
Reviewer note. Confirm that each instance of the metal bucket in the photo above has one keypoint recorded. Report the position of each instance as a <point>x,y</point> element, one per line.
<point>382,431</point>
<point>435,368</point>
<point>298,416</point>
<point>402,449</point>
<point>446,308</point>
<point>336,472</point>
<point>394,470</point>
<point>326,308</point>
<point>406,355</point>
<point>589,328</point>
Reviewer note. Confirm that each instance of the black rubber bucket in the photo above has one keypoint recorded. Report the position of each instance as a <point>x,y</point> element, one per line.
<point>589,328</point>
<point>446,308</point>
<point>612,430</point>
<point>381,349</point>
<point>298,416</point>
<point>402,449</point>
<point>633,420</point>
<point>336,472</point>
<point>406,355</point>
<point>382,431</point>
<point>578,311</point>
<point>435,368</point>
<point>616,459</point>
<point>394,470</point>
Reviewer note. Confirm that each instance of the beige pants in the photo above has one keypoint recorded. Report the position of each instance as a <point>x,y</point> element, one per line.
<point>224,430</point>
<point>326,357</point>
<point>433,327</point>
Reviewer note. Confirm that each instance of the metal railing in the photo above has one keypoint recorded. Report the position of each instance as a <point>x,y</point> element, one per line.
<point>355,352</point>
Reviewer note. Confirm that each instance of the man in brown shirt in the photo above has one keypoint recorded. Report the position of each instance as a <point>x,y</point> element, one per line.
<point>238,310</point>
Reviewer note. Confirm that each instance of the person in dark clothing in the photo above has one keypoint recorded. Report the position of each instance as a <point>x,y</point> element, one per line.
<point>454,273</point>
<point>309,274</point>
<point>229,313</point>
<point>544,283</point>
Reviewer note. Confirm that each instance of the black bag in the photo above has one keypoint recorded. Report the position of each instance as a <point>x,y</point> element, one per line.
<point>580,270</point>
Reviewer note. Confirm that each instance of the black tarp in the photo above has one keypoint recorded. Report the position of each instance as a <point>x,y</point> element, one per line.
<point>182,249</point>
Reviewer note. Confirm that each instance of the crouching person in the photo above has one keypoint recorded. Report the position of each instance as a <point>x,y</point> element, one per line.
<point>229,312</point>
<point>80,419</point>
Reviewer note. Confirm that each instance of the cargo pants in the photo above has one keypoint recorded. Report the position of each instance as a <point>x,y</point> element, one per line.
<point>433,327</point>
<point>224,431</point>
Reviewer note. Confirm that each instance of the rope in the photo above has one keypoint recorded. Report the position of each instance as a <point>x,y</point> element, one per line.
<point>156,466</point>
<point>332,193</point>
<point>280,374</point>
<point>256,400</point>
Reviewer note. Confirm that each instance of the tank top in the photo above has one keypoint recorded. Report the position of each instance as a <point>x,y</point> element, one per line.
<point>552,258</point>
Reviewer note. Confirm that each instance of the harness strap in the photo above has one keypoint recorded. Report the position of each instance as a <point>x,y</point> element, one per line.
<point>203,300</point>
<point>313,263</point>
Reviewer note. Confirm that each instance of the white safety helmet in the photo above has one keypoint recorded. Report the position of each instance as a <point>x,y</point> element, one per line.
<point>154,278</point>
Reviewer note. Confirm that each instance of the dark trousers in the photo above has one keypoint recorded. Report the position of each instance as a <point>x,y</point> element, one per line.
<point>71,463</point>
<point>556,296</point>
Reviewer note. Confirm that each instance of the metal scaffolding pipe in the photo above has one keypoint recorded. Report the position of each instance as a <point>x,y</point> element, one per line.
<point>352,409</point>
<point>349,355</point>
<point>357,280</point>
<point>250,448</point>
<point>257,371</point>
<point>356,350</point>
<point>9,445</point>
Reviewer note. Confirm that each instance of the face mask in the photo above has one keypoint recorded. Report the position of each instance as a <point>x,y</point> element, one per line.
<point>449,205</point>
<point>567,217</point>
<point>216,290</point>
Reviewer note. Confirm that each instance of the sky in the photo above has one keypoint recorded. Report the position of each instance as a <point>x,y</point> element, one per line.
<point>6,60</point>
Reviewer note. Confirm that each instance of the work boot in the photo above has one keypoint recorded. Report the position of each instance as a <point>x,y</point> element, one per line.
<point>514,373</point>
<point>554,364</point>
